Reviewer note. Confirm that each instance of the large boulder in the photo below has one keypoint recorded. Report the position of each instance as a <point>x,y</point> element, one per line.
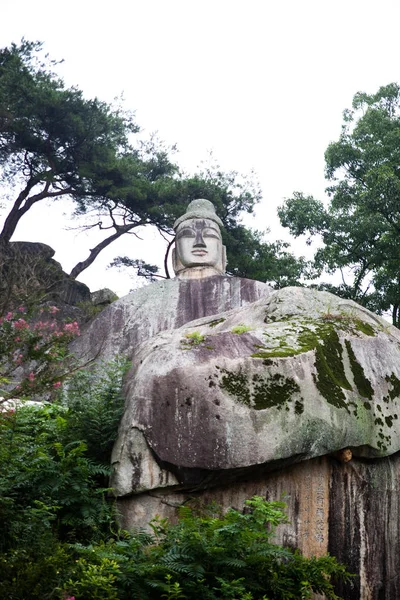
<point>238,390</point>
<point>292,376</point>
<point>30,275</point>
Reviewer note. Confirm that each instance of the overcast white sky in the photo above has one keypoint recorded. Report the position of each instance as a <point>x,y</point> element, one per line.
<point>261,83</point>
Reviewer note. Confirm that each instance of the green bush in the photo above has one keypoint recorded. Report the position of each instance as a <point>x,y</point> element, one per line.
<point>53,490</point>
<point>59,534</point>
<point>207,556</point>
<point>95,402</point>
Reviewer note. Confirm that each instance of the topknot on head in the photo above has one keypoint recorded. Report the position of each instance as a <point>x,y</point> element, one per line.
<point>199,209</point>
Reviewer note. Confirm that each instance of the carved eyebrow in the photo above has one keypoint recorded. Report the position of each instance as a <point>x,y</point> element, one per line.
<point>213,229</point>
<point>191,230</point>
<point>186,232</point>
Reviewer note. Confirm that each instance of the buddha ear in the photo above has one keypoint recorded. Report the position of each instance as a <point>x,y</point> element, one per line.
<point>224,261</point>
<point>176,263</point>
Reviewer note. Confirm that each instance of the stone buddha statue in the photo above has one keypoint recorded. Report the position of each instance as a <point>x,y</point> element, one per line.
<point>198,248</point>
<point>200,288</point>
<point>237,389</point>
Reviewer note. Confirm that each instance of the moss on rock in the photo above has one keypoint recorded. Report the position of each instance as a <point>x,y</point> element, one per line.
<point>261,392</point>
<point>363,384</point>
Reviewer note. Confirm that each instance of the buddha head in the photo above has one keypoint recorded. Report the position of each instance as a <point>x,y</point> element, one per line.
<point>198,240</point>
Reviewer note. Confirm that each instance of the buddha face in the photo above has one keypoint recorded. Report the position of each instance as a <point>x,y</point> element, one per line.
<point>198,243</point>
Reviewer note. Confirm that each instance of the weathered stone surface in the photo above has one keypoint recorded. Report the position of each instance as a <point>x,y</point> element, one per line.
<point>29,274</point>
<point>350,510</point>
<point>236,390</point>
<point>295,375</point>
<point>33,249</point>
<point>104,296</point>
<point>121,327</point>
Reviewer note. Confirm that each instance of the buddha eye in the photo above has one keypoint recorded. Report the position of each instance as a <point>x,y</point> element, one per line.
<point>186,233</point>
<point>210,233</point>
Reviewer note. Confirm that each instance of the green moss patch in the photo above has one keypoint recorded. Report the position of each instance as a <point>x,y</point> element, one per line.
<point>261,392</point>
<point>236,385</point>
<point>395,383</point>
<point>322,337</point>
<point>216,322</point>
<point>363,384</point>
<point>364,327</point>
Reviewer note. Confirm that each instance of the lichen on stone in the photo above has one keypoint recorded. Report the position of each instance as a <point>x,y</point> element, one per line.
<point>321,336</point>
<point>364,327</point>
<point>395,383</point>
<point>330,378</point>
<point>261,392</point>
<point>215,322</point>
<point>363,384</point>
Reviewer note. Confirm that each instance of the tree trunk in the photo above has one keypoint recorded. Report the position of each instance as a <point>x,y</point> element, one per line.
<point>94,252</point>
<point>395,315</point>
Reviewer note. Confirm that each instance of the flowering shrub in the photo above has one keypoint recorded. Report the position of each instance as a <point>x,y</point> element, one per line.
<point>34,355</point>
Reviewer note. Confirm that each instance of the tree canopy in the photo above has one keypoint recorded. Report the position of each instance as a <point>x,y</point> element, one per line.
<point>361,224</point>
<point>55,143</point>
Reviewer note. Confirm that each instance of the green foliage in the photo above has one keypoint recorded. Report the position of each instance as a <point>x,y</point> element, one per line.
<point>360,225</point>
<point>95,405</point>
<point>53,484</point>
<point>194,338</point>
<point>241,328</point>
<point>252,257</point>
<point>49,495</point>
<point>210,555</point>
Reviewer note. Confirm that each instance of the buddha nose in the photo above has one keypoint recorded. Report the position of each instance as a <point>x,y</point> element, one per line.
<point>199,241</point>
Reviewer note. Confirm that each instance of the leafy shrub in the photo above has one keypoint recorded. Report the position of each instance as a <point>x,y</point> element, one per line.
<point>241,328</point>
<point>59,534</point>
<point>194,338</point>
<point>208,556</point>
<point>53,492</point>
<point>95,402</point>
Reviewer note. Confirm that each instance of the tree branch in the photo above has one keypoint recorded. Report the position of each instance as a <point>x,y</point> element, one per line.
<point>23,204</point>
<point>94,252</point>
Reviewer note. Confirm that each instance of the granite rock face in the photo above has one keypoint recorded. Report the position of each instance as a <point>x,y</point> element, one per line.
<point>351,510</point>
<point>126,323</point>
<point>237,390</point>
<point>28,270</point>
<point>292,376</point>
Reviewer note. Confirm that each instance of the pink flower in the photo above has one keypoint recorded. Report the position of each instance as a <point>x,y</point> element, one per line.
<point>72,328</point>
<point>56,385</point>
<point>21,324</point>
<point>21,309</point>
<point>31,376</point>
<point>54,310</point>
<point>17,339</point>
<point>9,316</point>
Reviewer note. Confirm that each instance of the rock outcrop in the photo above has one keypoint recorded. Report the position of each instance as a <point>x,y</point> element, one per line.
<point>296,375</point>
<point>29,274</point>
<point>238,390</point>
<point>296,394</point>
<point>122,326</point>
